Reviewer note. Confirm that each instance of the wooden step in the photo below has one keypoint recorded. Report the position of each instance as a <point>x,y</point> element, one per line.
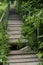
<point>14,25</point>
<point>14,16</point>
<point>22,56</point>
<point>19,52</point>
<point>15,40</point>
<point>14,32</point>
<point>16,36</point>
<point>28,63</point>
<point>15,21</point>
<point>24,60</point>
<point>14,28</point>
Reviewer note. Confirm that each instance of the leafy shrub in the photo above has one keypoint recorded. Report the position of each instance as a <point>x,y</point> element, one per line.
<point>31,12</point>
<point>4,47</point>
<point>2,8</point>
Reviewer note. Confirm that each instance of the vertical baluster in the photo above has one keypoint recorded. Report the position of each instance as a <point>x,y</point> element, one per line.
<point>2,35</point>
<point>38,35</point>
<point>2,38</point>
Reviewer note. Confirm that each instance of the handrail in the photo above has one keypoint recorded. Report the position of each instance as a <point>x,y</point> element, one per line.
<point>3,14</point>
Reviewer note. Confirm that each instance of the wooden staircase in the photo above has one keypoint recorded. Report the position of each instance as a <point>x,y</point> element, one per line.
<point>19,57</point>
<point>14,27</point>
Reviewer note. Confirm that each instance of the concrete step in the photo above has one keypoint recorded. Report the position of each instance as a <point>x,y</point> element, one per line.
<point>28,63</point>
<point>14,28</point>
<point>15,21</point>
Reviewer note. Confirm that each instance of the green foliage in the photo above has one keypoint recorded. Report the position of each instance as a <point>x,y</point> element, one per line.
<point>41,63</point>
<point>4,1</point>
<point>4,47</point>
<point>19,43</point>
<point>31,12</point>
<point>2,8</point>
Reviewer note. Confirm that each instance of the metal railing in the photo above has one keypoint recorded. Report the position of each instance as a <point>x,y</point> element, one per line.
<point>4,23</point>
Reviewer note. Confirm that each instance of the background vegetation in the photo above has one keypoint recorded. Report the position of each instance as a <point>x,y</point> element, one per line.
<point>2,8</point>
<point>4,47</point>
<point>31,12</point>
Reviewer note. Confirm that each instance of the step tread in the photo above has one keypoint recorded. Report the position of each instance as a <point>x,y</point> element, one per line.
<point>20,52</point>
<point>22,56</point>
<point>28,63</point>
<point>15,21</point>
<point>15,40</point>
<point>14,28</point>
<point>12,25</point>
<point>15,36</point>
<point>25,60</point>
<point>14,32</point>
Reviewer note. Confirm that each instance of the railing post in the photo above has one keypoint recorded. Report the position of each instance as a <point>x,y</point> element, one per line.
<point>38,34</point>
<point>2,35</point>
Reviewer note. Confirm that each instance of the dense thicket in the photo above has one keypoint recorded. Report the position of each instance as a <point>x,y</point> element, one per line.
<point>31,12</point>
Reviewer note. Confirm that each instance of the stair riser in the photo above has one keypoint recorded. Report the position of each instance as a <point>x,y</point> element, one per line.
<point>14,16</point>
<point>14,19</point>
<point>15,38</point>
